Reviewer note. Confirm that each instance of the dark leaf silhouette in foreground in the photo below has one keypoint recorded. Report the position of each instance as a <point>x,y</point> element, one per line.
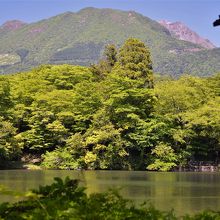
<point>217,22</point>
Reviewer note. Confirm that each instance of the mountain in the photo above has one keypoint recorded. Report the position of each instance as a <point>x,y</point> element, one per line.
<point>182,32</point>
<point>12,25</point>
<point>79,38</point>
<point>9,26</point>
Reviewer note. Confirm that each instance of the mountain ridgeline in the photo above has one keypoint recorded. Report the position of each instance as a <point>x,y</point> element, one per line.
<point>79,38</point>
<point>182,32</point>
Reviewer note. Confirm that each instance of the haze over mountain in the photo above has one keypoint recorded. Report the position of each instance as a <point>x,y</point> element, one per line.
<point>79,38</point>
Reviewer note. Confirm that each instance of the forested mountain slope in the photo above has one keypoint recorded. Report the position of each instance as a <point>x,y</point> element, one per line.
<point>79,38</point>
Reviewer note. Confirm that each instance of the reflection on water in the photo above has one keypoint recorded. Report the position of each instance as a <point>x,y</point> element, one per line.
<point>185,192</point>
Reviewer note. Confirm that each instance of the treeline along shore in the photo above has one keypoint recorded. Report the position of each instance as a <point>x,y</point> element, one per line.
<point>116,114</point>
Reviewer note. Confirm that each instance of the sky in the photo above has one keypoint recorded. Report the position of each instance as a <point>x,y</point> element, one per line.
<point>196,14</point>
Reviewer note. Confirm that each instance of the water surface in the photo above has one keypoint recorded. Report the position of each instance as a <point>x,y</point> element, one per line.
<point>185,192</point>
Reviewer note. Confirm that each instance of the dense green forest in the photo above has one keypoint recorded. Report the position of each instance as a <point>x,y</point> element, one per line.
<point>116,114</point>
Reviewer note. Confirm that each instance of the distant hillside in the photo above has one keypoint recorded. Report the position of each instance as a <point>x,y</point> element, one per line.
<point>10,26</point>
<point>79,38</point>
<point>182,32</point>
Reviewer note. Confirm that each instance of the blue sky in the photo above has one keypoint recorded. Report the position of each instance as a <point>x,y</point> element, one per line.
<point>197,14</point>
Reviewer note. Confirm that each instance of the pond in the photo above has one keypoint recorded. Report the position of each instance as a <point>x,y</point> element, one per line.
<point>184,192</point>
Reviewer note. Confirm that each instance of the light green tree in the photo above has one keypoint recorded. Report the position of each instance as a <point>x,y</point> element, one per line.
<point>164,158</point>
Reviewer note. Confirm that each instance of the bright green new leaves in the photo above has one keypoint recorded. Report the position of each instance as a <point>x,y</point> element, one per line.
<point>164,158</point>
<point>9,148</point>
<point>134,62</point>
<point>44,104</point>
<point>190,106</point>
<point>105,65</point>
<point>106,143</point>
<point>102,111</point>
<point>109,116</point>
<point>205,125</point>
<point>187,93</point>
<point>5,96</point>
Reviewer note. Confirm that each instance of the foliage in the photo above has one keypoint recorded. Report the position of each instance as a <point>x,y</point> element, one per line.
<point>112,115</point>
<point>134,61</point>
<point>164,158</point>
<point>9,148</point>
<point>105,65</point>
<point>59,159</point>
<point>204,123</point>
<point>189,105</point>
<point>5,96</point>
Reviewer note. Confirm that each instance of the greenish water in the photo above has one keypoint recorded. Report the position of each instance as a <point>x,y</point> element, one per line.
<point>185,192</point>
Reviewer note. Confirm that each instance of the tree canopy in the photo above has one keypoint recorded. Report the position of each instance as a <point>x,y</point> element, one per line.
<point>112,115</point>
